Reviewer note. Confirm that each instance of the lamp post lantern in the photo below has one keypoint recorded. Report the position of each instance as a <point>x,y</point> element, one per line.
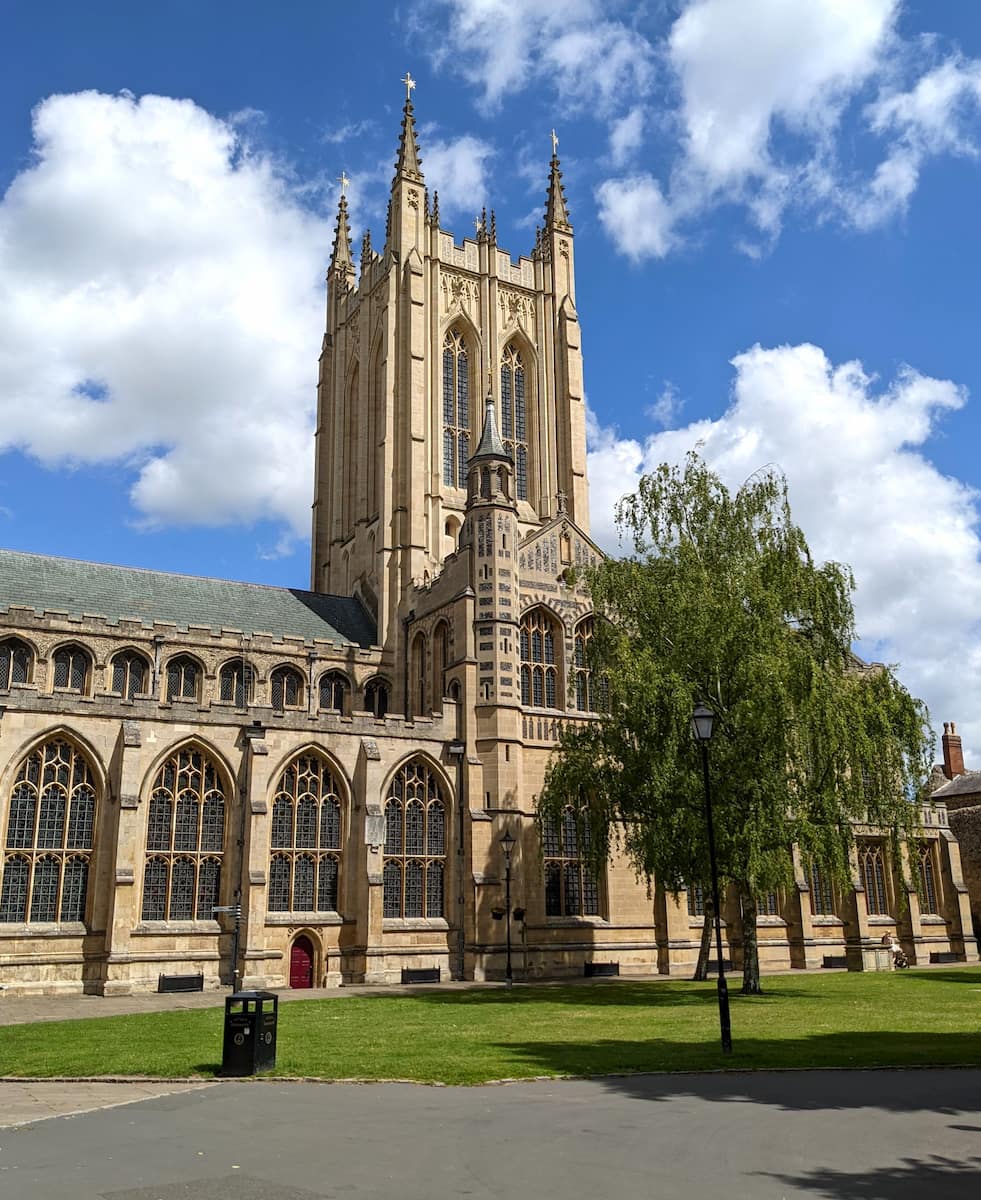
<point>702,720</point>
<point>507,845</point>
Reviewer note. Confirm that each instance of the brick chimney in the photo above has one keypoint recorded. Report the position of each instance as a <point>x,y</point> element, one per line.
<point>953,754</point>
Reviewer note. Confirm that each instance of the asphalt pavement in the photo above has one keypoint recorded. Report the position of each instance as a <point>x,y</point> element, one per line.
<point>896,1135</point>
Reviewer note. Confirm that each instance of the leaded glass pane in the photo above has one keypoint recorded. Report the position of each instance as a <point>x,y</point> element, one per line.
<point>282,823</point>
<point>44,889</point>
<point>696,900</point>
<point>235,683</point>
<point>525,643</point>
<point>573,890</point>
<point>436,833</point>
<point>51,819</point>
<point>73,889</point>
<point>333,687</point>
<point>330,824</point>
<point>548,647</point>
<point>525,686</point>
<point>590,893</point>
<point>537,646</point>
<point>376,698</point>
<point>507,404</point>
<point>822,899</point>
<point>538,689</point>
<point>13,897</point>
<point>15,662</point>
<point>155,890</point>
<point>434,889</point>
<point>213,822</point>
<point>182,679</point>
<point>327,884</point>
<point>209,885</point>
<point>23,811</point>
<point>413,888</point>
<point>570,835</point>
<point>303,876</point>
<point>448,413</point>
<point>306,823</point>
<point>393,827</point>
<point>553,890</point>
<point>279,883</point>
<point>158,827</point>
<point>550,838</point>
<point>186,823</point>
<point>182,890</point>
<point>519,402</point>
<point>549,689</point>
<point>71,668</point>
<point>392,876</point>
<point>463,457</point>
<point>81,819</point>
<point>462,390</point>
<point>928,885</point>
<point>449,458</point>
<point>521,473</point>
<point>414,821</point>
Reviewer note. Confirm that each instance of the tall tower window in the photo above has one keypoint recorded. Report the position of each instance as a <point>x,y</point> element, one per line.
<point>456,409</point>
<point>539,669</point>
<point>514,417</point>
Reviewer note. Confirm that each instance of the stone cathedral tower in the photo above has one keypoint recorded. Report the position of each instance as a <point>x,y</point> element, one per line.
<point>409,351</point>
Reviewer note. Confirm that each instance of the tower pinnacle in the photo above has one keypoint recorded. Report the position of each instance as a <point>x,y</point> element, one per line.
<point>556,212</point>
<point>341,261</point>
<point>409,163</point>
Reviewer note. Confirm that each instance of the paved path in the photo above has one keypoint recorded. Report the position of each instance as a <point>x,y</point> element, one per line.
<point>881,1135</point>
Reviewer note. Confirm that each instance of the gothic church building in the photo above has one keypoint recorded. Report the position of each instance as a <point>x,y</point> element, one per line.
<point>343,762</point>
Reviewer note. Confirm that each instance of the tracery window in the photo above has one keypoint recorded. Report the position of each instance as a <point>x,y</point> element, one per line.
<point>376,697</point>
<point>72,669</point>
<point>514,416</point>
<point>591,693</point>
<point>871,861</point>
<point>185,840</point>
<point>822,893</point>
<point>539,673</point>
<point>16,662</point>
<point>183,678</point>
<point>415,844</point>
<point>304,867</point>
<point>50,831</point>
<point>456,409</point>
<point>767,905</point>
<point>696,900</point>
<point>236,681</point>
<point>334,689</point>
<point>571,889</point>
<point>130,674</point>
<point>286,688</point>
<point>928,880</point>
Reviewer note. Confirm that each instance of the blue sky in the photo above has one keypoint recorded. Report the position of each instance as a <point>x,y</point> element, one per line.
<point>775,209</point>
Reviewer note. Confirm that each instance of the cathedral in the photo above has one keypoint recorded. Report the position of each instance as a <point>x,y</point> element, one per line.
<point>206,783</point>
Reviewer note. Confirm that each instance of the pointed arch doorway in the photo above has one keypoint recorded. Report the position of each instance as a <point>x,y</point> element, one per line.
<point>301,963</point>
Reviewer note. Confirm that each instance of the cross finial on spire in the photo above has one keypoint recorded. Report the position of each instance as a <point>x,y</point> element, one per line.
<point>343,180</point>
<point>555,143</point>
<point>410,83</point>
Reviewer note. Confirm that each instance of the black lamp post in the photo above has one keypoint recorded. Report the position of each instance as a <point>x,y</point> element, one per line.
<point>701,723</point>
<point>507,845</point>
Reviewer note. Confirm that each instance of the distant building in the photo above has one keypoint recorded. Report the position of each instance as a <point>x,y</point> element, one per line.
<point>960,791</point>
<point>343,761</point>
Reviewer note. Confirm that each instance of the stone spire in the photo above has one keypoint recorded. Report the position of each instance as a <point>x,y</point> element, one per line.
<point>556,212</point>
<point>341,260</point>
<point>490,445</point>
<point>409,164</point>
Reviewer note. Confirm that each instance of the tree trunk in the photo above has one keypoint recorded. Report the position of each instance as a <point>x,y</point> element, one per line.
<point>751,950</point>
<point>705,947</point>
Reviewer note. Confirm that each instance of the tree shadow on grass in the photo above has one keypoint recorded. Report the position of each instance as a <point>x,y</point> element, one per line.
<point>911,1179</point>
<point>965,975</point>
<point>859,1070</point>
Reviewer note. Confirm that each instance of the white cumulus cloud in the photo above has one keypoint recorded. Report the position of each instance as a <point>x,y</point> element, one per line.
<point>864,491</point>
<point>457,169</point>
<point>160,289</point>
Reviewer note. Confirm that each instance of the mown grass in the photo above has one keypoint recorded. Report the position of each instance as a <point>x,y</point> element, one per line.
<point>465,1037</point>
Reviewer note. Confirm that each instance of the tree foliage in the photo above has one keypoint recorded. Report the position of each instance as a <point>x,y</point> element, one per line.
<point>723,603</point>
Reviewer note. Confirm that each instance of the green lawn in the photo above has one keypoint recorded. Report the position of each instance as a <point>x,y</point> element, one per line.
<point>907,1018</point>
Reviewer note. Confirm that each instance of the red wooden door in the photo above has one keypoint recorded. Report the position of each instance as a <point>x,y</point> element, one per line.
<point>301,964</point>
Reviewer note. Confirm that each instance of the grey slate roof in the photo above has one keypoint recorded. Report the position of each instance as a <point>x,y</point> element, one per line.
<point>48,584</point>
<point>960,785</point>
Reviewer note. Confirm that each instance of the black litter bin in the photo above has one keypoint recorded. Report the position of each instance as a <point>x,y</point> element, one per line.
<point>250,1033</point>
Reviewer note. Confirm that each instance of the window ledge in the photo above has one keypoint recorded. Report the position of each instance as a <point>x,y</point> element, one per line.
<point>827,919</point>
<point>574,922</point>
<point>932,919</point>
<point>770,922</point>
<point>304,918</point>
<point>160,928</point>
<point>393,924</point>
<point>43,929</point>
<point>882,919</point>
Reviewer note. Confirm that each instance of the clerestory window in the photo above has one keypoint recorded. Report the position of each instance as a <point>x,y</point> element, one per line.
<point>456,409</point>
<point>514,416</point>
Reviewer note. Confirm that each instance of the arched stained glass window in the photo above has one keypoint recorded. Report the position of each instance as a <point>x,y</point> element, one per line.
<point>822,893</point>
<point>929,901</point>
<point>873,873</point>
<point>514,416</point>
<point>235,683</point>
<point>50,825</point>
<point>456,409</point>
<point>590,694</point>
<point>376,697</point>
<point>286,688</point>
<point>16,662</point>
<point>415,843</point>
<point>185,839</point>
<point>571,888</point>
<point>334,690</point>
<point>539,669</point>
<point>306,822</point>
<point>183,678</point>
<point>72,669</point>
<point>130,674</point>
